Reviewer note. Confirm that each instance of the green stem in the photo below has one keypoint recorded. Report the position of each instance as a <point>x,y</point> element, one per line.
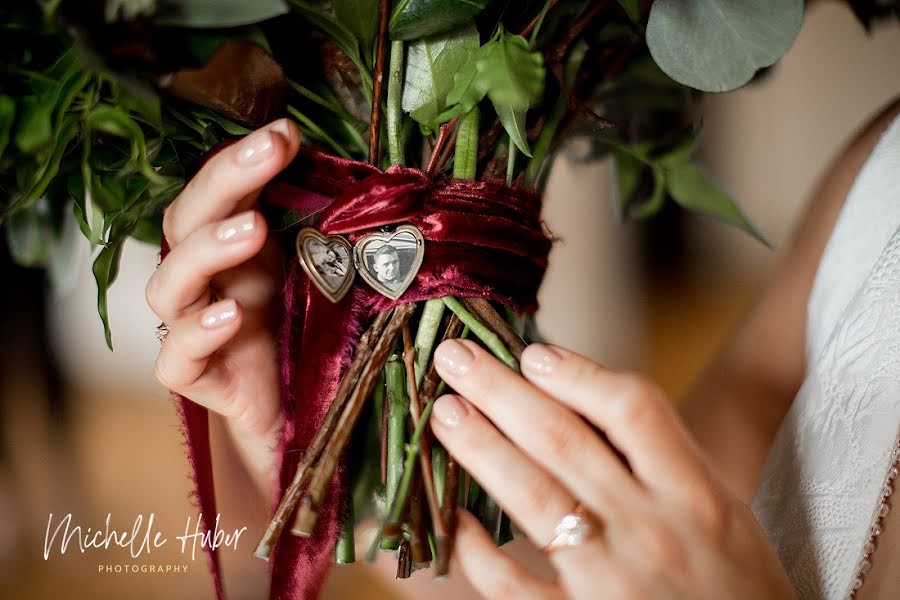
<point>394,108</point>
<point>510,164</point>
<point>426,334</point>
<point>465,158</point>
<point>398,409</point>
<point>542,146</point>
<point>399,503</point>
<point>439,469</point>
<point>345,549</point>
<point>488,337</point>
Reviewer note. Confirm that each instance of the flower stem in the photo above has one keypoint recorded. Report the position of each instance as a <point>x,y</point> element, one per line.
<point>482,332</point>
<point>429,323</point>
<point>398,409</point>
<point>394,100</point>
<point>345,550</point>
<point>384,11</point>
<point>485,313</point>
<point>465,161</point>
<point>308,513</point>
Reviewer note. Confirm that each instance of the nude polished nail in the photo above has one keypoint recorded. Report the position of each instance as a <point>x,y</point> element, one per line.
<point>219,314</point>
<point>255,148</point>
<point>449,410</point>
<point>540,359</point>
<point>237,228</point>
<point>453,356</point>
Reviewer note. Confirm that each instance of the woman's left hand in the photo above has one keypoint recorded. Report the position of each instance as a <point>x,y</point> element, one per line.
<point>663,526</point>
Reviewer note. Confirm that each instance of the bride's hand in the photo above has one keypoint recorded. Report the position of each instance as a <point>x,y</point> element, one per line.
<point>664,527</point>
<point>218,291</point>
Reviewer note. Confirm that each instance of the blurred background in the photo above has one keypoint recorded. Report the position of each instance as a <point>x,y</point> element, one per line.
<point>89,432</point>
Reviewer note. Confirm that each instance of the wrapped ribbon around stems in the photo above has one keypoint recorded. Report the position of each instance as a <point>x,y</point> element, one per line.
<point>483,239</point>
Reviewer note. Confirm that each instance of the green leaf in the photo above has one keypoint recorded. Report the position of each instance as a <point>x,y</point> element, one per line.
<point>430,66</point>
<point>628,177</point>
<point>717,45</point>
<point>30,235</point>
<point>217,13</point>
<point>415,19</point>
<point>7,116</point>
<point>105,269</point>
<point>465,158</point>
<point>691,190</point>
<point>513,122</point>
<point>632,9</point>
<point>652,205</point>
<point>36,124</point>
<point>510,73</point>
<point>360,17</point>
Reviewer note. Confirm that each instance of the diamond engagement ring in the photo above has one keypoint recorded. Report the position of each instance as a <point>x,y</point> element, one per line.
<point>573,529</point>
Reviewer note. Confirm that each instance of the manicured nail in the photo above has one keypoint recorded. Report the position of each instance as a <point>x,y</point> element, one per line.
<point>540,359</point>
<point>454,357</point>
<point>449,410</point>
<point>255,148</point>
<point>219,314</point>
<point>282,128</point>
<point>237,228</point>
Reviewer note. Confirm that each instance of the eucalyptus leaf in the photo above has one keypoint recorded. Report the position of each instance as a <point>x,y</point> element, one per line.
<point>717,45</point>
<point>430,66</point>
<point>513,122</point>
<point>693,191</point>
<point>360,17</point>
<point>416,19</point>
<point>217,13</point>
<point>7,116</point>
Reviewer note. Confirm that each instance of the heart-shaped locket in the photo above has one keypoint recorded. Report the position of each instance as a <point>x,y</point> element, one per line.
<point>389,261</point>
<point>327,259</point>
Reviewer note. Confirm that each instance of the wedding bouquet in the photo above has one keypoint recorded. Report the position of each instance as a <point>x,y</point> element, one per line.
<point>412,214</point>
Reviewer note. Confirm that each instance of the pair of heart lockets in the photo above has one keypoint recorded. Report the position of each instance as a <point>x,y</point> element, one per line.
<point>387,261</point>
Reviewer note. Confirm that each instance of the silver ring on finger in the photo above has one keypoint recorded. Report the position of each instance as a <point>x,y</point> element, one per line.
<point>573,529</point>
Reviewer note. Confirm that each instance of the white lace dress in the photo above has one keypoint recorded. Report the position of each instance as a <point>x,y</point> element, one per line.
<point>827,482</point>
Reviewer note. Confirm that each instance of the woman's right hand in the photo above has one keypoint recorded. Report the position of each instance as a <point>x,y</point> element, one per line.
<point>219,292</point>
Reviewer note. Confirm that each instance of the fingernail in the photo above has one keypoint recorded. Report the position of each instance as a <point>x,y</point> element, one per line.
<point>540,359</point>
<point>237,228</point>
<point>282,128</point>
<point>454,356</point>
<point>255,148</point>
<point>449,410</point>
<point>219,314</point>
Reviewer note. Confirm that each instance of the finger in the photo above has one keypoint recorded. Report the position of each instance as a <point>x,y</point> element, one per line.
<point>550,433</point>
<point>526,492</point>
<point>228,182</point>
<point>490,570</point>
<point>633,412</point>
<point>182,364</point>
<point>181,281</point>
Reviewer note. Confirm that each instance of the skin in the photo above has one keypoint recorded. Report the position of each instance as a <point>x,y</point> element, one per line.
<point>674,525</point>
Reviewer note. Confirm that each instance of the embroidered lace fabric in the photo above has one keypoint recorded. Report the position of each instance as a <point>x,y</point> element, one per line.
<point>822,488</point>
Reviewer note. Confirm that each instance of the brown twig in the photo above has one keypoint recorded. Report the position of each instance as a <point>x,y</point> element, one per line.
<point>533,23</point>
<point>485,313</point>
<point>323,435</point>
<point>404,564</point>
<point>418,533</point>
<point>431,380</point>
<point>415,411</point>
<point>443,137</point>
<point>384,9</point>
<point>308,512</point>
<point>448,513</point>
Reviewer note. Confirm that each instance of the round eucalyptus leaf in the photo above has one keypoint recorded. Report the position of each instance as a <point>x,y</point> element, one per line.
<point>717,45</point>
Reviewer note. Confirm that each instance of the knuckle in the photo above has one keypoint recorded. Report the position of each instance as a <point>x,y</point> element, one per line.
<point>539,498</point>
<point>560,443</point>
<point>637,399</point>
<point>162,372</point>
<point>711,507</point>
<point>661,547</point>
<point>584,374</point>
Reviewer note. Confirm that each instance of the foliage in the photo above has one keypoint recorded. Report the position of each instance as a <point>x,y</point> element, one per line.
<point>107,106</point>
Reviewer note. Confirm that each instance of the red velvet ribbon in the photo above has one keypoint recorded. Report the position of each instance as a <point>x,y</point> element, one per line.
<point>482,239</point>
